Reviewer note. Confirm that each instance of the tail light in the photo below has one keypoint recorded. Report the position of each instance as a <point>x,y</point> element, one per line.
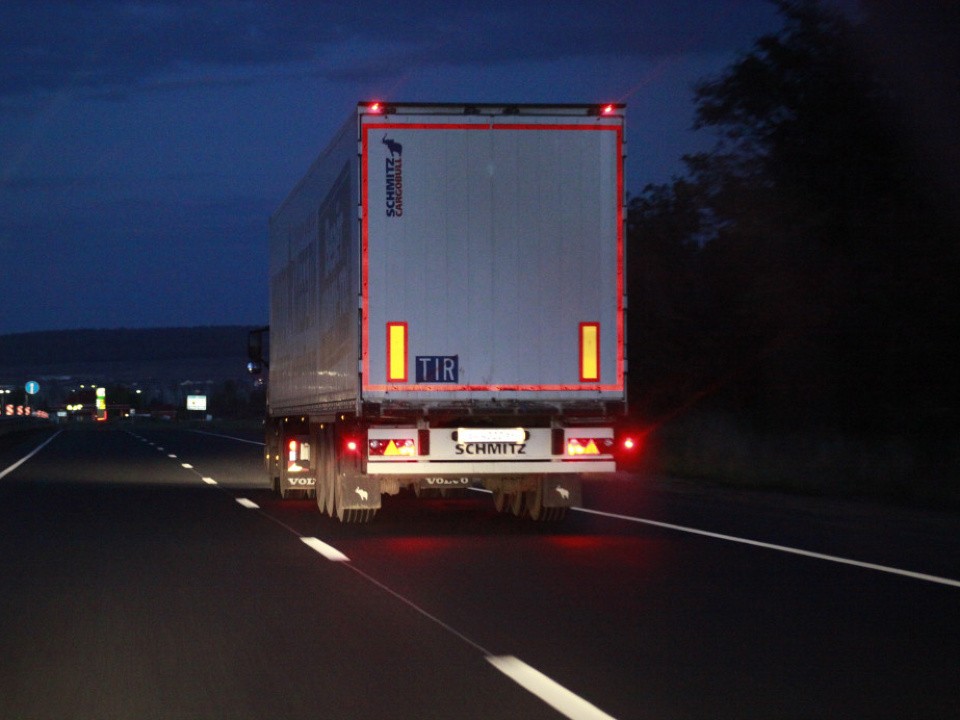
<point>578,446</point>
<point>630,445</point>
<point>400,447</point>
<point>298,455</point>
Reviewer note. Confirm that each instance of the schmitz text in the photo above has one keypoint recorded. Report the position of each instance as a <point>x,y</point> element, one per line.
<point>491,448</point>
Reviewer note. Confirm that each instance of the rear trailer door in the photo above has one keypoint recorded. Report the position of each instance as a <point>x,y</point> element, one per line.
<point>492,257</point>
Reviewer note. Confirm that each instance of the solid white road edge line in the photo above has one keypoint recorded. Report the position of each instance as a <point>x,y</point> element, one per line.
<point>770,546</point>
<point>248,503</point>
<point>779,548</point>
<point>26,457</point>
<point>228,437</point>
<point>328,551</point>
<point>551,692</point>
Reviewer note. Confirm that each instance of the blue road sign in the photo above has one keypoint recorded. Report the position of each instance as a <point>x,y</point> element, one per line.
<point>32,387</point>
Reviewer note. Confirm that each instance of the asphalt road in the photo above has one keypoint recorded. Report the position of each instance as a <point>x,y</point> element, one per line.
<point>130,587</point>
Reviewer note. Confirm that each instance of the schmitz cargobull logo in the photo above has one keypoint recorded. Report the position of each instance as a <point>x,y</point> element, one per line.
<point>394,177</point>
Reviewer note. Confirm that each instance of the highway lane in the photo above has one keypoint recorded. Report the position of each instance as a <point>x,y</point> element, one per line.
<point>129,590</point>
<point>155,594</point>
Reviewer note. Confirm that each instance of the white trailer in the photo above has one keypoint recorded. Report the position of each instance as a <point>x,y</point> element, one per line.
<point>447,306</point>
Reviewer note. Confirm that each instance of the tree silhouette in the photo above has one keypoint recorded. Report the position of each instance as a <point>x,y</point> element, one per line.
<point>804,271</point>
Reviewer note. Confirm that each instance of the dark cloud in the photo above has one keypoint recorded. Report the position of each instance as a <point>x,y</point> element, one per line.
<point>144,143</point>
<point>35,183</point>
<point>113,45</point>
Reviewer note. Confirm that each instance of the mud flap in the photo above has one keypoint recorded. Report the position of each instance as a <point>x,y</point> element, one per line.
<point>562,491</point>
<point>359,492</point>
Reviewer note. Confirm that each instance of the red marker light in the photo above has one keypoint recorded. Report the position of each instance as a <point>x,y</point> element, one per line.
<point>351,446</point>
<point>628,444</point>
<point>375,108</point>
<point>608,110</point>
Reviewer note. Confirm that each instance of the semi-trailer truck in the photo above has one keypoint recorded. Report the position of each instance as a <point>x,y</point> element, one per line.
<point>447,308</point>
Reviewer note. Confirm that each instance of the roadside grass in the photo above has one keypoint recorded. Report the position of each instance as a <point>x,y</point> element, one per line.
<point>718,448</point>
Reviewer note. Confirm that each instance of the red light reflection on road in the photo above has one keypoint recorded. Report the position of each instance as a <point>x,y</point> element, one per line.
<point>579,542</point>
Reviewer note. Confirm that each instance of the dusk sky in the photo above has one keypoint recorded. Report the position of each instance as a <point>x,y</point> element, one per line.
<point>143,145</point>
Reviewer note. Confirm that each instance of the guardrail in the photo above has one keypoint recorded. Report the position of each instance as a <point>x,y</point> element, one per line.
<point>14,424</point>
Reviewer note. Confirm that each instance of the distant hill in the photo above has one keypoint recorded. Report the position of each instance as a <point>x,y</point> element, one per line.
<point>196,353</point>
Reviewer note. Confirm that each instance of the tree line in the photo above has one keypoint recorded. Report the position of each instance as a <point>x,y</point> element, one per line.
<point>803,275</point>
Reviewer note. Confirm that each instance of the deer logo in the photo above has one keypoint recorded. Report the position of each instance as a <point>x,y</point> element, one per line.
<point>564,493</point>
<point>393,146</point>
<point>364,495</point>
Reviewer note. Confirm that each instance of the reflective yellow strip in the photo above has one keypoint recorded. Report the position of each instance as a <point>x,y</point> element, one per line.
<point>589,352</point>
<point>397,352</point>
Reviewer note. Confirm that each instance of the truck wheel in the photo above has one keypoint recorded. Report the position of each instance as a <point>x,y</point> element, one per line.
<point>271,456</point>
<point>328,507</point>
<point>422,492</point>
<point>516,503</point>
<point>320,494</point>
<point>329,469</point>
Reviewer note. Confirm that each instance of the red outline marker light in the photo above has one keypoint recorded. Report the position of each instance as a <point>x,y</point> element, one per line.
<point>351,446</point>
<point>375,108</point>
<point>608,110</point>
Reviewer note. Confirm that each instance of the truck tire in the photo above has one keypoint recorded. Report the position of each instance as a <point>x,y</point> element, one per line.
<point>516,503</point>
<point>271,457</point>
<point>282,491</point>
<point>327,474</point>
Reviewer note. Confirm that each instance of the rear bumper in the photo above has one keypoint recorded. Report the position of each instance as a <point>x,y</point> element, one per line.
<point>453,468</point>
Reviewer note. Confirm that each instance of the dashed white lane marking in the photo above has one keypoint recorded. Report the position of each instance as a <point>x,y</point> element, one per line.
<point>171,455</point>
<point>558,697</point>
<point>551,692</point>
<point>328,551</point>
<point>778,548</point>
<point>535,682</point>
<point>188,466</point>
<point>29,455</point>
